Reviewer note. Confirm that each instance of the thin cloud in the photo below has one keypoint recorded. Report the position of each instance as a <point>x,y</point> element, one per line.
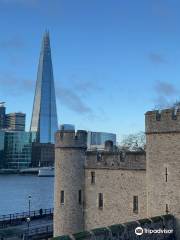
<point>166,94</point>
<point>12,43</point>
<point>165,88</point>
<point>157,58</point>
<point>163,9</point>
<point>68,97</point>
<point>72,100</point>
<point>15,86</point>
<point>24,2</point>
<point>86,86</point>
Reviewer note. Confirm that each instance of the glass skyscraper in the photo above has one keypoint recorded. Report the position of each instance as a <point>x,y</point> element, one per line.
<point>44,115</point>
<point>98,139</point>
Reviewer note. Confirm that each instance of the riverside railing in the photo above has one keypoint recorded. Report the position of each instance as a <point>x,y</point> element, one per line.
<point>15,217</point>
<point>43,232</point>
<point>48,229</point>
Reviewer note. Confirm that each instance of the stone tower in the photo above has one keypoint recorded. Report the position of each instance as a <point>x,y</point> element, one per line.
<point>163,163</point>
<point>69,181</point>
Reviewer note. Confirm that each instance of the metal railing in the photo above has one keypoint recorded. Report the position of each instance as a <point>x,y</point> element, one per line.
<point>41,230</point>
<point>24,215</point>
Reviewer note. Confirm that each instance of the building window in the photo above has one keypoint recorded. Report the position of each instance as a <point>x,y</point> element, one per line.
<point>158,116</point>
<point>167,209</point>
<point>92,177</point>
<point>174,114</point>
<point>80,197</point>
<point>135,204</point>
<point>62,197</point>
<point>166,174</point>
<point>100,201</point>
<point>99,157</point>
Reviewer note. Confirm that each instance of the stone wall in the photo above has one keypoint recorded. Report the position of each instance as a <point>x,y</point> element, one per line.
<point>116,160</point>
<point>69,178</point>
<point>163,164</point>
<point>118,187</point>
<point>126,231</point>
<point>168,120</point>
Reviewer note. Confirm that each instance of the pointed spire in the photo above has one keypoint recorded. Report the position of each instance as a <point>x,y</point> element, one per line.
<point>46,43</point>
<point>44,116</point>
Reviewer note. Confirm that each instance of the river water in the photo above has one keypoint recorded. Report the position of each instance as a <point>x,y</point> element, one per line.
<point>15,189</point>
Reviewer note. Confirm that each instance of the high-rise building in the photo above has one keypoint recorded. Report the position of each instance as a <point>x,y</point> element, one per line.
<point>44,115</point>
<point>2,115</point>
<point>67,127</point>
<point>43,154</point>
<point>2,134</point>
<point>17,149</point>
<point>11,121</point>
<point>16,121</point>
<point>98,139</point>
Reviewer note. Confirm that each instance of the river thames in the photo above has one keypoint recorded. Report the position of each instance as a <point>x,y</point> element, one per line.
<point>15,189</point>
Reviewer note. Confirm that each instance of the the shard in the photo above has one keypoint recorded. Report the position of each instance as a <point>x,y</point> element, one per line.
<point>44,115</point>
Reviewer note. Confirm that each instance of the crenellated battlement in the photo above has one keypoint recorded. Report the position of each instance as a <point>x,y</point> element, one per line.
<point>71,139</point>
<point>116,160</point>
<point>164,121</point>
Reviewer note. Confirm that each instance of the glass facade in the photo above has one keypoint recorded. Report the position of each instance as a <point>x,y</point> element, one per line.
<point>97,139</point>
<point>2,115</point>
<point>15,121</point>
<point>18,149</point>
<point>67,127</point>
<point>2,149</point>
<point>44,116</point>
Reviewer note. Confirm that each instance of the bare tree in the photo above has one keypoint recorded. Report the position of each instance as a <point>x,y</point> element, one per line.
<point>134,142</point>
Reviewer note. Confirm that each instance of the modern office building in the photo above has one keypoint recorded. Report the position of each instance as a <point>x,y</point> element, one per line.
<point>17,149</point>
<point>11,121</point>
<point>98,139</point>
<point>15,121</point>
<point>2,115</point>
<point>44,116</point>
<point>15,143</point>
<point>43,154</point>
<point>2,134</point>
<point>67,127</point>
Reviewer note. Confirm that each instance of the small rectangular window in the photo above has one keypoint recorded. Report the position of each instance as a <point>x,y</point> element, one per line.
<point>80,197</point>
<point>100,200</point>
<point>167,209</point>
<point>166,174</point>
<point>62,197</point>
<point>92,177</point>
<point>158,116</point>
<point>135,204</point>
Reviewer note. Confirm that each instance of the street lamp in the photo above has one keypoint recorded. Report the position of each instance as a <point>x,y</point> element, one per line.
<point>28,222</point>
<point>29,198</point>
<point>28,219</point>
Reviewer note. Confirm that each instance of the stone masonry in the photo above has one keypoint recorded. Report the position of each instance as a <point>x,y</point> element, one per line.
<point>102,188</point>
<point>163,163</point>
<point>69,165</point>
<point>119,179</point>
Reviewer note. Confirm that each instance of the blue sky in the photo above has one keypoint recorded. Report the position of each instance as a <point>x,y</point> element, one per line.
<point>113,59</point>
